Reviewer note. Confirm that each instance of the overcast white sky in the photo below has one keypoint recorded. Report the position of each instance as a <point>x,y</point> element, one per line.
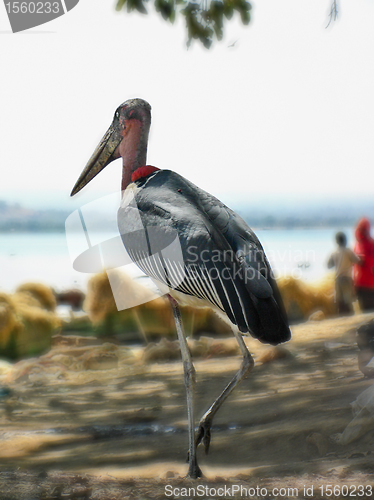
<point>289,110</point>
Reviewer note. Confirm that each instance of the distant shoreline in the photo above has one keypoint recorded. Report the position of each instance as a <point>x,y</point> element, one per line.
<point>15,218</point>
<point>60,228</point>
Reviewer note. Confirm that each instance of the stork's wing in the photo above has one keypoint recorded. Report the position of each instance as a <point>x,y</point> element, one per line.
<point>219,259</point>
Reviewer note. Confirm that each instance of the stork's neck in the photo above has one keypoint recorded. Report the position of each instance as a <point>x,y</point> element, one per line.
<point>133,149</point>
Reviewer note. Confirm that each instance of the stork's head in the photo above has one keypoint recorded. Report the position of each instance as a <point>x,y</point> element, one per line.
<point>126,137</point>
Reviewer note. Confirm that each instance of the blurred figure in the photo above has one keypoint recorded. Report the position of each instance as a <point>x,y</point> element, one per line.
<point>363,276</point>
<point>365,343</point>
<point>73,298</point>
<point>343,260</point>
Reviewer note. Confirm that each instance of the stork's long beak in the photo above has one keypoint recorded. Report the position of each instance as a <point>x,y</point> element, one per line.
<point>102,156</point>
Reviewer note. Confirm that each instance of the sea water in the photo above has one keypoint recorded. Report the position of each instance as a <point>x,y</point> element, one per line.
<point>45,257</point>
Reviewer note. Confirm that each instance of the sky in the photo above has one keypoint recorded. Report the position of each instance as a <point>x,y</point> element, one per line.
<point>286,113</point>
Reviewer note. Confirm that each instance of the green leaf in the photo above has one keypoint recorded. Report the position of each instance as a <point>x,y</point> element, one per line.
<point>120,4</point>
<point>201,25</point>
<point>136,5</point>
<point>216,8</point>
<point>166,9</point>
<point>218,30</point>
<point>245,17</point>
<point>228,9</point>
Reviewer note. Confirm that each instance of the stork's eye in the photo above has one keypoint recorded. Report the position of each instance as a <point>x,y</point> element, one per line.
<point>117,114</point>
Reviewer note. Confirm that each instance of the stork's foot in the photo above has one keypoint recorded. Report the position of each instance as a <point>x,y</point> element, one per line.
<point>194,471</point>
<point>203,434</point>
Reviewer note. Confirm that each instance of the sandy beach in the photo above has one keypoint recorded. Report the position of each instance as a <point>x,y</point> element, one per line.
<point>115,432</point>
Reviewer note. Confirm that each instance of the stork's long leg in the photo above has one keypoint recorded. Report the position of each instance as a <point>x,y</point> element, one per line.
<point>189,381</point>
<point>203,432</point>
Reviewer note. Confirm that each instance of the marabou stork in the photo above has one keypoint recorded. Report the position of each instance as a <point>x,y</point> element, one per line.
<point>223,264</point>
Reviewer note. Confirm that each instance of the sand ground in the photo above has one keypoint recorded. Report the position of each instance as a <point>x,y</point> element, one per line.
<point>121,433</point>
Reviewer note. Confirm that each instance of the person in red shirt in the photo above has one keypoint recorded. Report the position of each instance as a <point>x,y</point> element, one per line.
<point>363,272</point>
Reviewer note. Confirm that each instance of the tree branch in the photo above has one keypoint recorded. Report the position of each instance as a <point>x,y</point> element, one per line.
<point>333,12</point>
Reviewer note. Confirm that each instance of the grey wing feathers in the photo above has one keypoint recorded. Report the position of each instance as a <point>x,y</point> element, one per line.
<point>257,276</point>
<point>227,266</point>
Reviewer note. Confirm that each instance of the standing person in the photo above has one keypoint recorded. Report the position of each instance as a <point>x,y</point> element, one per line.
<point>343,260</point>
<point>363,275</point>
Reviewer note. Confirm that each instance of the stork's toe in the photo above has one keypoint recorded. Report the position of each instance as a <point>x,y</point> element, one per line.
<point>203,434</point>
